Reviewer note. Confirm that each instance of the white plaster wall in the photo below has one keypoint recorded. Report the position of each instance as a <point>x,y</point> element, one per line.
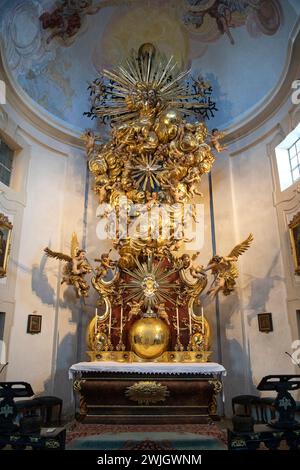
<point>53,208</point>
<point>41,223</point>
<point>244,202</point>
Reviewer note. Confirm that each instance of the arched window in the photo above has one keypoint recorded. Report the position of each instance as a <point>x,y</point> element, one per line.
<point>294,158</point>
<point>288,159</point>
<point>6,163</point>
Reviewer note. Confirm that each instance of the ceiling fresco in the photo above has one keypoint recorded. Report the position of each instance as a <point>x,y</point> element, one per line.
<point>54,49</point>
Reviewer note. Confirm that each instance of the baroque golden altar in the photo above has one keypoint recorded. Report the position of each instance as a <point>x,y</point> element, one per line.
<point>145,175</point>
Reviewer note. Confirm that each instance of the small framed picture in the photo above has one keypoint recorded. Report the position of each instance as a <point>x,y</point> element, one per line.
<point>34,324</point>
<point>265,323</point>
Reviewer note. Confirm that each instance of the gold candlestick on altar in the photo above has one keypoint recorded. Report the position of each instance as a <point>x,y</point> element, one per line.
<point>121,321</point>
<point>189,346</point>
<point>109,346</point>
<point>202,321</point>
<point>96,321</point>
<point>121,346</point>
<point>178,345</point>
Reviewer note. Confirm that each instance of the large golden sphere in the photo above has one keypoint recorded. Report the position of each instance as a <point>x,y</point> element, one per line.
<point>149,337</point>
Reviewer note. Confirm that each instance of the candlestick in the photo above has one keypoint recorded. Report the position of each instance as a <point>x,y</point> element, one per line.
<point>190,318</point>
<point>96,321</point>
<point>121,321</point>
<point>121,346</point>
<point>202,321</point>
<point>177,321</point>
<point>109,324</point>
<point>178,346</point>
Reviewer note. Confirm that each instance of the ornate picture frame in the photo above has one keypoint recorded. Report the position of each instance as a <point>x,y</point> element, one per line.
<point>34,324</point>
<point>294,227</point>
<point>5,243</point>
<point>265,323</point>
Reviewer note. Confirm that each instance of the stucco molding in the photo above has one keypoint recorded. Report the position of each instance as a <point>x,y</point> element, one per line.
<point>256,141</point>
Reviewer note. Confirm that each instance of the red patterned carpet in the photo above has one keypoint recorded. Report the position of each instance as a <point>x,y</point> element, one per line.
<point>83,430</point>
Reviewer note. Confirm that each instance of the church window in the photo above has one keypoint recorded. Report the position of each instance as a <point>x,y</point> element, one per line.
<point>6,163</point>
<point>288,159</point>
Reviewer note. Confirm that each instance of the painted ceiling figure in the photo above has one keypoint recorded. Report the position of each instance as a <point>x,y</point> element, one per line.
<point>66,20</point>
<point>219,11</point>
<point>266,15</point>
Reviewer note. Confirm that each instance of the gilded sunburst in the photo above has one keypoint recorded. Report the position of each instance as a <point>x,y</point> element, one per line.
<point>149,283</point>
<point>146,81</point>
<point>145,172</point>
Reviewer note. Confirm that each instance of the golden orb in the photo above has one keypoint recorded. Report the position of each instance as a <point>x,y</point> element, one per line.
<point>149,337</point>
<point>146,49</point>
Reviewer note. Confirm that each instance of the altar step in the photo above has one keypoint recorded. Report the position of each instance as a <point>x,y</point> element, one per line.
<point>149,415</point>
<point>147,441</point>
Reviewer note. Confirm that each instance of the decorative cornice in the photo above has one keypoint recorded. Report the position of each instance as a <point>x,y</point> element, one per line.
<point>259,139</point>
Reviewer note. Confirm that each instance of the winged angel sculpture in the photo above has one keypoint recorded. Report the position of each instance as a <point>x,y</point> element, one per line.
<point>224,269</point>
<point>76,267</point>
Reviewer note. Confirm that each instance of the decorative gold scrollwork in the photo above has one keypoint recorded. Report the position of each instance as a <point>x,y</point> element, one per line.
<point>217,384</point>
<point>238,443</point>
<point>77,384</point>
<point>218,387</point>
<point>146,393</point>
<point>52,444</point>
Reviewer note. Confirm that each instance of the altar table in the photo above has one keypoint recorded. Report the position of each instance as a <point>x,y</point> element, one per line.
<point>147,392</point>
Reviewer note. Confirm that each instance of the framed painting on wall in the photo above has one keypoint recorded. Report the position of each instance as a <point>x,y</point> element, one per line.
<point>265,323</point>
<point>34,324</point>
<point>5,240</point>
<point>294,227</point>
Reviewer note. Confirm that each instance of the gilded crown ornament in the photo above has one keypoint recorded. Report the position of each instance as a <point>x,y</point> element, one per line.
<point>144,175</point>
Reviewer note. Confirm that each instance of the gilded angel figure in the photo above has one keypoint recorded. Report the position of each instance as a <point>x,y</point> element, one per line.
<point>89,140</point>
<point>162,313</point>
<point>216,136</point>
<point>106,264</point>
<point>135,309</point>
<point>224,269</point>
<point>76,267</point>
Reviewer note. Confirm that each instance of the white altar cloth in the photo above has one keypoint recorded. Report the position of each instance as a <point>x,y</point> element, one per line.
<point>148,368</point>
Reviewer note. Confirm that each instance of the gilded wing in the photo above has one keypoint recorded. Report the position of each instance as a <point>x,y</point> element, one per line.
<point>241,248</point>
<point>57,255</point>
<point>74,245</point>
